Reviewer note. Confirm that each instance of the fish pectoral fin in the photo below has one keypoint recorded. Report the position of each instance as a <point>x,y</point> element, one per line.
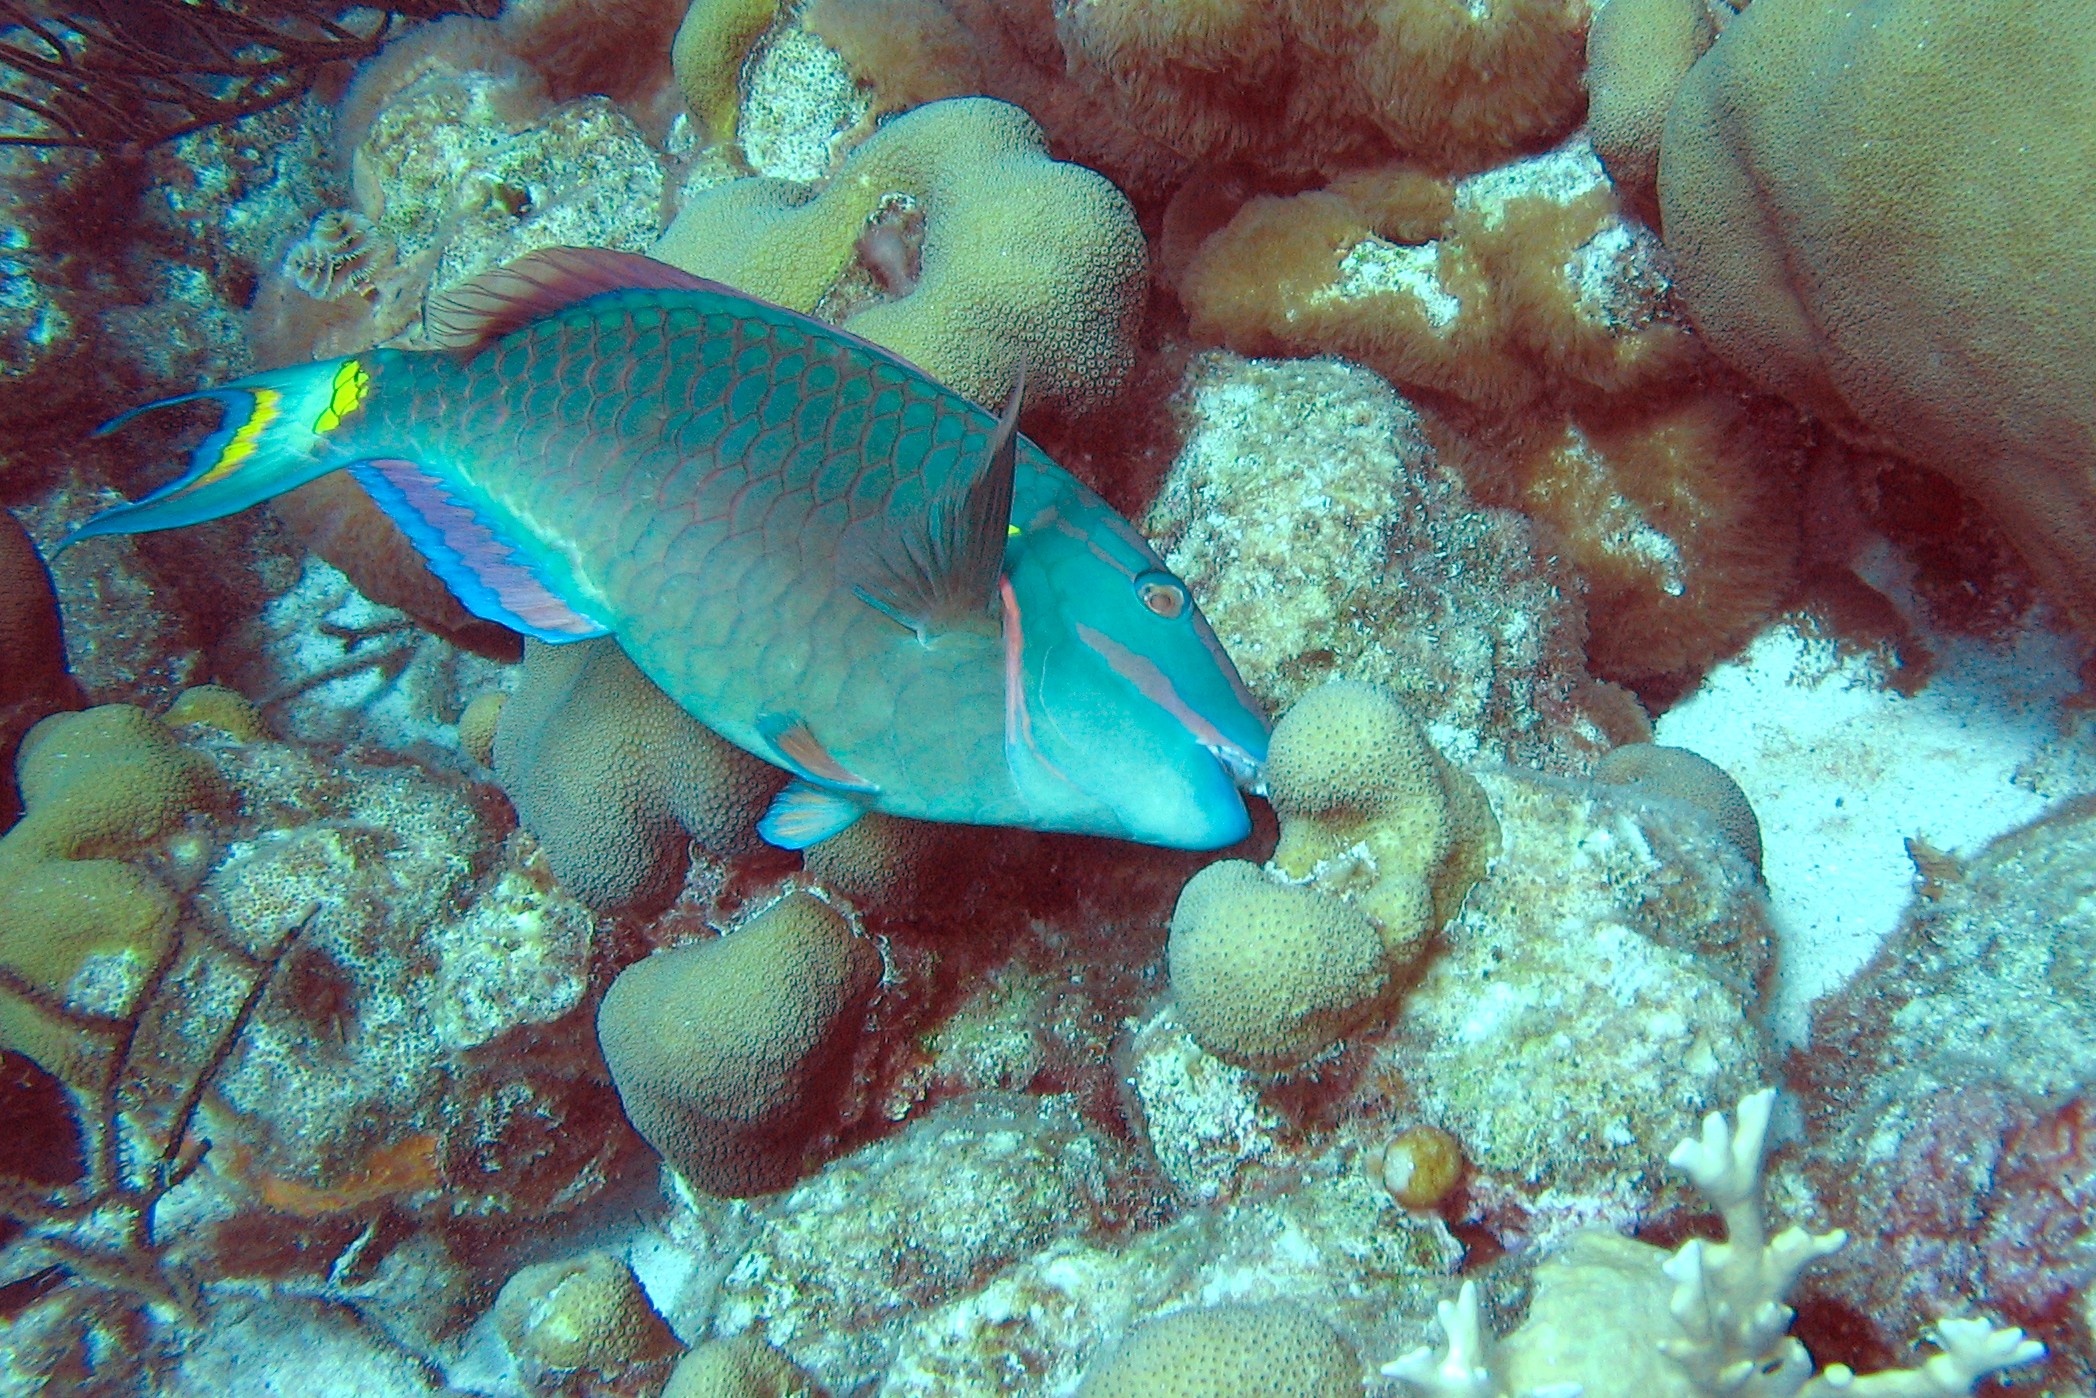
<point>491,577</point>
<point>941,573</point>
<point>803,815</point>
<point>802,753</point>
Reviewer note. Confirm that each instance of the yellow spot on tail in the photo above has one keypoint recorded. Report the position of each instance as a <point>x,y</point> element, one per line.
<point>1011,531</point>
<point>244,438</point>
<point>351,384</point>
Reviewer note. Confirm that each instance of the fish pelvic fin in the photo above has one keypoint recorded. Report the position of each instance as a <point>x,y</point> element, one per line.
<point>803,815</point>
<point>796,748</point>
<point>281,429</point>
<point>944,574</point>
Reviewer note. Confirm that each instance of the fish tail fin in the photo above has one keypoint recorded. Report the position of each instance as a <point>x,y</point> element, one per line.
<point>280,430</point>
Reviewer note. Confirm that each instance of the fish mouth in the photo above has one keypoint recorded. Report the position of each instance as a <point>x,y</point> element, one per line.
<point>1246,771</point>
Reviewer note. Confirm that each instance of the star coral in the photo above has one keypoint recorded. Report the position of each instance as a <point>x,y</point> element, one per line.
<point>1880,213</point>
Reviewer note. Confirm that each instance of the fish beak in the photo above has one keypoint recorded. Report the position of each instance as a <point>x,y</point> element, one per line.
<point>1247,771</point>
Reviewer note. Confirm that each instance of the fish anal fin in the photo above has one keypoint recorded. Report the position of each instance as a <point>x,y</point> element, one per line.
<point>941,574</point>
<point>491,577</point>
<point>803,753</point>
<point>803,815</point>
<point>534,286</point>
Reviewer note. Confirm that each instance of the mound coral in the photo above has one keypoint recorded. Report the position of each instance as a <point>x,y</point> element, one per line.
<point>1380,840</point>
<point>1267,975</point>
<point>1370,809</point>
<point>719,1049</point>
<point>1023,259</point>
<point>712,43</point>
<point>584,1313</point>
<point>1276,1350</point>
<point>1880,212</point>
<point>82,931</point>
<point>1612,1317</point>
<point>612,776</point>
<point>1637,54</point>
<point>1692,779</point>
<point>746,1366</point>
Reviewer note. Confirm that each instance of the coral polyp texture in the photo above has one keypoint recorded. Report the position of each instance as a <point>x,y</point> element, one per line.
<point>1268,974</point>
<point>614,778</point>
<point>722,1050</point>
<point>986,256</point>
<point>1277,1350</point>
<point>1369,809</point>
<point>1854,230</point>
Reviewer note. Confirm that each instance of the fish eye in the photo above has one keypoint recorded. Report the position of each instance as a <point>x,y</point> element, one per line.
<point>1162,594</point>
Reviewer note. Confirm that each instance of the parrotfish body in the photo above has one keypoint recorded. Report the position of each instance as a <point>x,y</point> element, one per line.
<point>819,552</point>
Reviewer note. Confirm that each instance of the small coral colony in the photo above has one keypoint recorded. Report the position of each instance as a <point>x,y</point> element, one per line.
<point>947,697</point>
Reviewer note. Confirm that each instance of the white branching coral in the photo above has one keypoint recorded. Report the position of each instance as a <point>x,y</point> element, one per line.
<point>1614,1318</point>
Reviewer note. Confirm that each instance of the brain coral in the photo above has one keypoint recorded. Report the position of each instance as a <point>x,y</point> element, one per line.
<point>611,775</point>
<point>718,1049</point>
<point>1276,1350</point>
<point>1881,211</point>
<point>1269,974</point>
<point>1024,259</point>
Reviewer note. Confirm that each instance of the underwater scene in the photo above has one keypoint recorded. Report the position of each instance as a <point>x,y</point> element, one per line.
<point>1058,698</point>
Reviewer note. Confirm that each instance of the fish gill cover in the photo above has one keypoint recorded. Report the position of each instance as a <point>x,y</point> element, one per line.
<point>1553,414</point>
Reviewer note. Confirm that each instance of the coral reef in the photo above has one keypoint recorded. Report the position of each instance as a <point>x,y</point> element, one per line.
<point>615,779</point>
<point>86,930</point>
<point>721,1050</point>
<point>1949,1095</point>
<point>1326,536</point>
<point>1838,215</point>
<point>1539,314</point>
<point>1009,257</point>
<point>311,1101</point>
<point>1611,1316</point>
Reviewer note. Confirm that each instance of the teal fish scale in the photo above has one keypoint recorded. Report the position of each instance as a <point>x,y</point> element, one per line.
<point>700,495</point>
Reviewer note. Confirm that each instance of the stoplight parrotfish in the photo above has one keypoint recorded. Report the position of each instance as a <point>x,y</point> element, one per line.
<point>819,552</point>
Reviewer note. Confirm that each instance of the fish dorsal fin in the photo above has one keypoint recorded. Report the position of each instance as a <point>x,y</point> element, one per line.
<point>944,573</point>
<point>493,304</point>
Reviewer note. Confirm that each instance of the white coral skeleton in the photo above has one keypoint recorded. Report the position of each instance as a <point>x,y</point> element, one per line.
<point>1731,1334</point>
